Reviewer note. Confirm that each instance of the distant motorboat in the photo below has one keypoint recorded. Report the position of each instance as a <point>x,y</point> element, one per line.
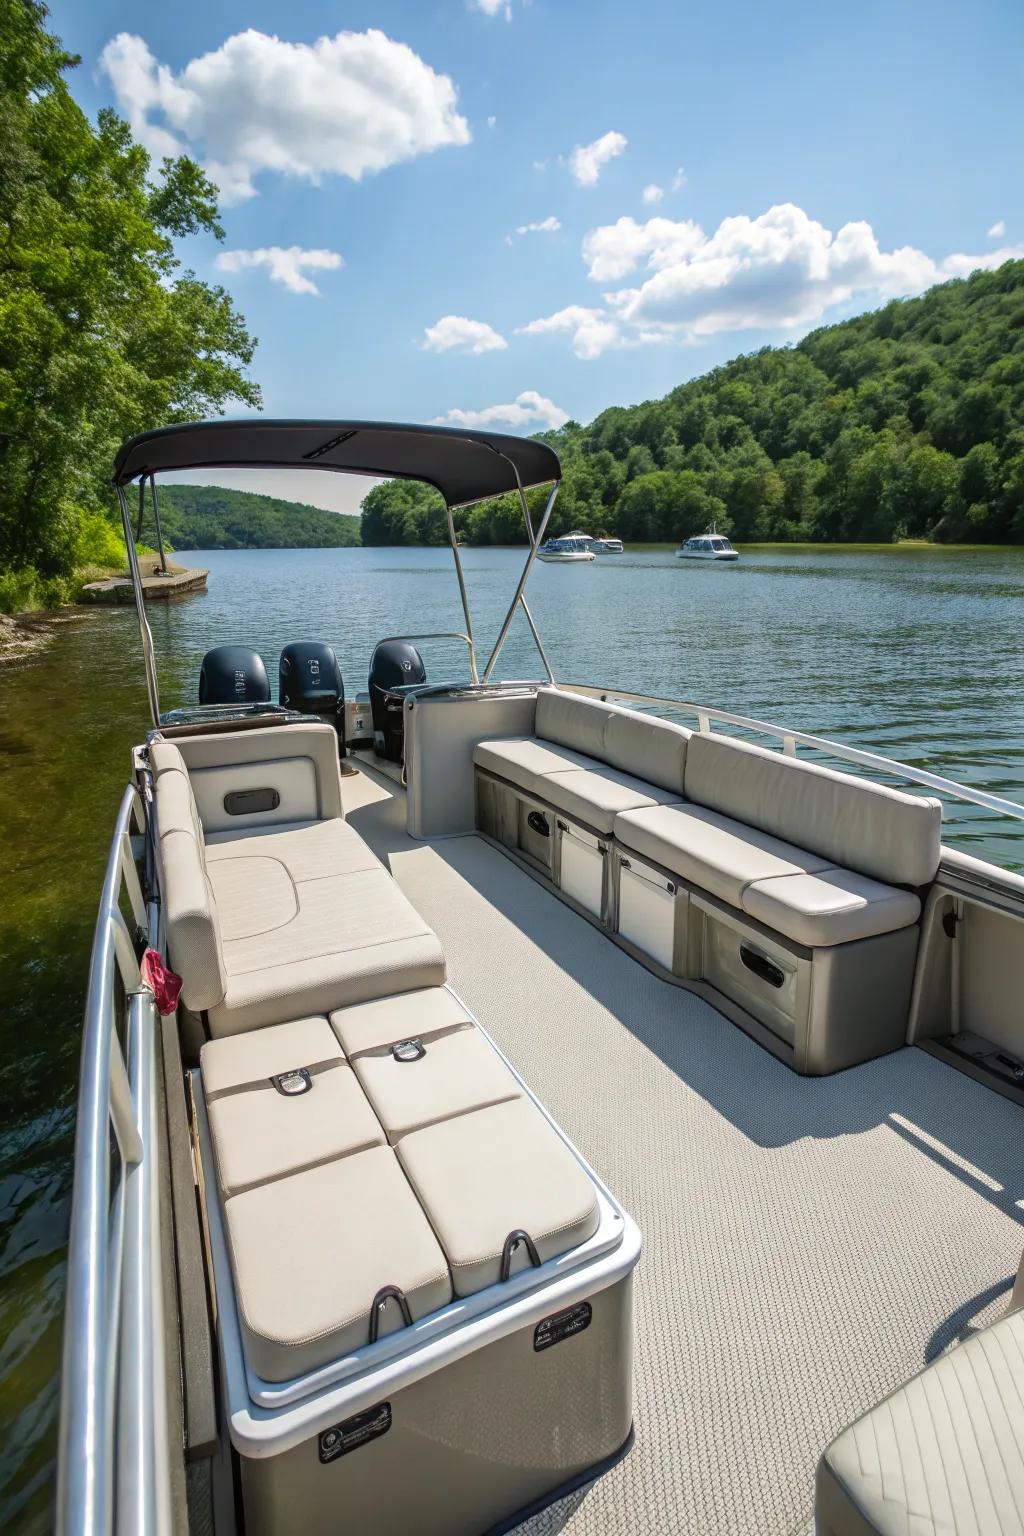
<point>573,547</point>
<point>709,545</point>
<point>607,546</point>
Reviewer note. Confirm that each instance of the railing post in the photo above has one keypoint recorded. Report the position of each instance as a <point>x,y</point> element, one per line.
<point>534,546</point>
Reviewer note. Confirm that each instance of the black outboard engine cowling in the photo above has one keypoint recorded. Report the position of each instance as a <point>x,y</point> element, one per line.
<point>232,674</point>
<point>310,681</point>
<point>395,667</point>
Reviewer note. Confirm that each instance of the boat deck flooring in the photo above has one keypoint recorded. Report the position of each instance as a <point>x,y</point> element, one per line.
<point>808,1243</point>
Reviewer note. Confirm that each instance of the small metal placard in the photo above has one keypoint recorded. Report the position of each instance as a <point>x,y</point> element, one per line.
<point>291,1084</point>
<point>562,1325</point>
<point>351,1433</point>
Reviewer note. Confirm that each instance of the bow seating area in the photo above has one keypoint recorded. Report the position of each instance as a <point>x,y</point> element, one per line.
<point>793,890</point>
<point>275,907</point>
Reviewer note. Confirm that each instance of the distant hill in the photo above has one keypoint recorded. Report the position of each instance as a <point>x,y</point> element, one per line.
<point>210,517</point>
<point>907,422</point>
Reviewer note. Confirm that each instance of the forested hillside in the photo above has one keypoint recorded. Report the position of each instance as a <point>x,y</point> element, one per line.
<point>904,423</point>
<point>210,517</point>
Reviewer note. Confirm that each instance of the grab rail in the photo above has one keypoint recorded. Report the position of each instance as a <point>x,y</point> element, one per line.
<point>791,739</point>
<point>453,634</point>
<point>113,1384</point>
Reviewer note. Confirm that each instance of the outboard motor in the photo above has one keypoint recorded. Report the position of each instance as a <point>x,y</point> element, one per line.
<point>394,667</point>
<point>310,681</point>
<point>232,674</point>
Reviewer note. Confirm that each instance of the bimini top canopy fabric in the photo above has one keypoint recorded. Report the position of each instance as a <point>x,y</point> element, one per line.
<point>464,466</point>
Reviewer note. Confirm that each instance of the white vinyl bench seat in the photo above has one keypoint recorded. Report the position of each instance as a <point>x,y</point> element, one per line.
<point>323,1215</point>
<point>796,893</point>
<point>273,921</point>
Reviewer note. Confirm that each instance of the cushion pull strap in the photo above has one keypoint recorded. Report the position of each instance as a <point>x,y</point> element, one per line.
<point>511,1247</point>
<point>379,1306</point>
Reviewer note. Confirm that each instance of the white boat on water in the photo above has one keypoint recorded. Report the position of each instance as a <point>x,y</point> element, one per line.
<point>709,545</point>
<point>607,546</point>
<point>572,547</point>
<point>333,1266</point>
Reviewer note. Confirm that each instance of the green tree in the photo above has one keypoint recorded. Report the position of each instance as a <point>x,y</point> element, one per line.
<point>101,336</point>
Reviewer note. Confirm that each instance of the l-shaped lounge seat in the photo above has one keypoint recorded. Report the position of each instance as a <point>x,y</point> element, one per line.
<point>792,888</point>
<point>290,913</point>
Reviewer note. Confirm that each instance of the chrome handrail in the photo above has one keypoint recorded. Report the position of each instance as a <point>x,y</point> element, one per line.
<point>445,634</point>
<point>791,739</point>
<point>112,1271</point>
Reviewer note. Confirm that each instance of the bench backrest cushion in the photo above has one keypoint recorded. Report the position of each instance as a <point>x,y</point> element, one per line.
<point>190,911</point>
<point>300,762</point>
<point>646,747</point>
<point>878,831</point>
<point>571,721</point>
<point>637,744</point>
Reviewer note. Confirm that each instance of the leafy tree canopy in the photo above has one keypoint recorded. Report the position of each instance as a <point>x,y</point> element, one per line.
<point>101,334</point>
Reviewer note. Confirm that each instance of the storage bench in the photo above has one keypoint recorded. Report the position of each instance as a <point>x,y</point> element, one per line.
<point>424,1294</point>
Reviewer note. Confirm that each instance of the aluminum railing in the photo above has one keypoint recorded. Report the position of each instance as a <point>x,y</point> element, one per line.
<point>113,1389</point>
<point>791,739</point>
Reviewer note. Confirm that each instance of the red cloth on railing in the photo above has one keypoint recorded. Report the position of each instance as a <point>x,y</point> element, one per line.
<point>164,984</point>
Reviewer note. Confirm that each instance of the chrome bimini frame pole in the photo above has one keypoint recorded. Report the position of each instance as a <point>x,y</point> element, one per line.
<point>518,599</point>
<point>145,632</point>
<point>453,541</point>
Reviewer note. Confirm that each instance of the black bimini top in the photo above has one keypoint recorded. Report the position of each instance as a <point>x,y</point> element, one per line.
<point>464,466</point>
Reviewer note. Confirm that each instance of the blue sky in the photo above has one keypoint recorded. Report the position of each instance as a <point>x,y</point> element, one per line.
<point>803,161</point>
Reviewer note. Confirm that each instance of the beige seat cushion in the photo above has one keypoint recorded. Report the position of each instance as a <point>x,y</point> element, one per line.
<point>311,1251</point>
<point>715,852</point>
<point>458,1071</point>
<point>484,1175</point>
<point>653,750</point>
<point>261,1134</point>
<point>596,798</point>
<point>312,741</point>
<point>943,1456</point>
<point>387,1019</point>
<point>310,921</point>
<point>850,822</point>
<point>571,721</point>
<point>526,762</point>
<point>834,906</point>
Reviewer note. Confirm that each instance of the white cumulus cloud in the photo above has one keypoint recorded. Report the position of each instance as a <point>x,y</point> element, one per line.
<point>284,264</point>
<point>546,226</point>
<point>591,331</point>
<point>613,250</point>
<point>527,412</point>
<point>455,332</point>
<point>998,230</point>
<point>653,193</point>
<point>586,160</point>
<point>342,106</point>
<point>780,271</point>
<point>493,7</point>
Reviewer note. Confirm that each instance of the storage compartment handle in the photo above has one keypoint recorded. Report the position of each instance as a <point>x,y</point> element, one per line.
<point>538,822</point>
<point>762,967</point>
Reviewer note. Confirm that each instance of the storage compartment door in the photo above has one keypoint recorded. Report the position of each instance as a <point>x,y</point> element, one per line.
<point>762,974</point>
<point>651,908</point>
<point>582,859</point>
<point>497,811</point>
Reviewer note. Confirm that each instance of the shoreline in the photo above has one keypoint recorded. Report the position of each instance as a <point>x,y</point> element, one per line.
<point>24,635</point>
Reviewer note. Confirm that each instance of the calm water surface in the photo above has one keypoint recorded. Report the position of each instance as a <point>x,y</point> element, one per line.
<point>916,653</point>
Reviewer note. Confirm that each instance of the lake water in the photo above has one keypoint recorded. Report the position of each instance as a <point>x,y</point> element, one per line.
<point>915,653</point>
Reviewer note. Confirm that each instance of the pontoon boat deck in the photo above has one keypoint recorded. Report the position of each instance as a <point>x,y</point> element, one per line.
<point>413,1055</point>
